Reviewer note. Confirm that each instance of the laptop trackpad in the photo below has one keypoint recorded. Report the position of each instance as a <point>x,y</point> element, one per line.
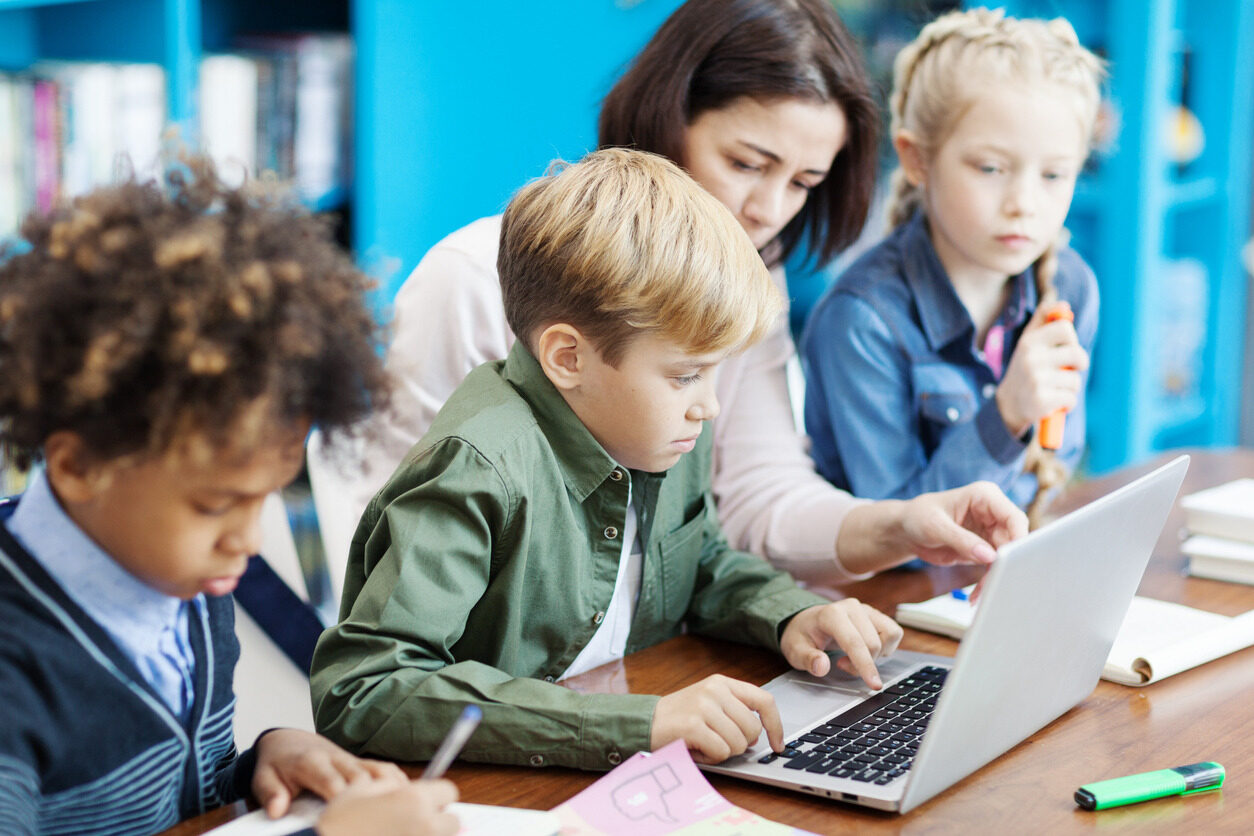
<point>803,699</point>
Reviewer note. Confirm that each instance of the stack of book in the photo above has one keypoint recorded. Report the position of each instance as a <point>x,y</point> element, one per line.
<point>282,104</point>
<point>1221,532</point>
<point>66,127</point>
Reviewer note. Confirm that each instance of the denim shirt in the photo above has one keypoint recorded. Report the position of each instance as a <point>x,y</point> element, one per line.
<point>899,400</point>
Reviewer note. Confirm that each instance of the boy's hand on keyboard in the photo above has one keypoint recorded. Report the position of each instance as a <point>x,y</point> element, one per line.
<point>863,632</point>
<point>717,717</point>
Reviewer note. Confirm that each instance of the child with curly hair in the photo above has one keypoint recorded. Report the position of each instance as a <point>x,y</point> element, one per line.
<point>163,353</point>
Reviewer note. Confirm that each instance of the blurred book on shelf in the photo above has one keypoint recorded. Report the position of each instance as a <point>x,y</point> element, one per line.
<point>1220,559</point>
<point>1224,511</point>
<point>67,127</point>
<point>1220,522</point>
<point>283,104</point>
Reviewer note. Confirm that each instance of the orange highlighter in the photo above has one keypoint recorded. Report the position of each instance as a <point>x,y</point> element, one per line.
<point>1050,431</point>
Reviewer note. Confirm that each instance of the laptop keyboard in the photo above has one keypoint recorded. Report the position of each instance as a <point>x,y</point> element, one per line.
<point>874,741</point>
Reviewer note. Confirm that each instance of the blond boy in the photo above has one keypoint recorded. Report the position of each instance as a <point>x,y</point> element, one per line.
<point>558,515</point>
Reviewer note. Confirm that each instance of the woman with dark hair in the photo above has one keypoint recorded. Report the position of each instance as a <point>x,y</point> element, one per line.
<point>767,105</point>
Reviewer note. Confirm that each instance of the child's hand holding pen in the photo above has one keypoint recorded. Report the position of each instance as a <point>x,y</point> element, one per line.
<point>1044,374</point>
<point>416,807</point>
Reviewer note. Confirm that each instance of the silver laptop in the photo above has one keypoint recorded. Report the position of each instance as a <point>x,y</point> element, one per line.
<point>1047,617</point>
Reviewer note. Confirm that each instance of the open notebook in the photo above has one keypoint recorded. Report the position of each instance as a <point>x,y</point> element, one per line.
<point>1157,638</point>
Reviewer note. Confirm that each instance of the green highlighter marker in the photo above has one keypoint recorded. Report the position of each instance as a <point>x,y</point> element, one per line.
<point>1180,780</point>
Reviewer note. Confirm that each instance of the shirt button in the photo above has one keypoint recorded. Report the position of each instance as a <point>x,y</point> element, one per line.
<point>536,760</point>
<point>549,678</point>
<point>989,390</point>
<point>614,758</point>
<point>952,414</point>
<point>610,532</point>
<point>616,475</point>
<point>598,618</point>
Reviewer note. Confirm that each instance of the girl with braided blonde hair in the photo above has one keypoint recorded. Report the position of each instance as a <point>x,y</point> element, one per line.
<point>932,360</point>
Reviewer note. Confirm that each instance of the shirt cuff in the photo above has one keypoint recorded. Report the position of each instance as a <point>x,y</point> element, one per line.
<point>766,615</point>
<point>614,727</point>
<point>1000,444</point>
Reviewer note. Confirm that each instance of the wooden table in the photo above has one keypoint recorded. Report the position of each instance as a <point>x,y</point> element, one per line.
<point>1203,714</point>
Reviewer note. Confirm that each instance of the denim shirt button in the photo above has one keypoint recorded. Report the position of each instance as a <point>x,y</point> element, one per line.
<point>536,760</point>
<point>610,532</point>
<point>549,678</point>
<point>952,414</point>
<point>598,618</point>
<point>614,758</point>
<point>989,390</point>
<point>616,475</point>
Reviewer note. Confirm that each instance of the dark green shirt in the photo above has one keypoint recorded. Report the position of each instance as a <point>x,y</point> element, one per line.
<point>488,561</point>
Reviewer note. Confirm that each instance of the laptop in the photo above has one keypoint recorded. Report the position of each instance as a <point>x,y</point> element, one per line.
<point>1046,619</point>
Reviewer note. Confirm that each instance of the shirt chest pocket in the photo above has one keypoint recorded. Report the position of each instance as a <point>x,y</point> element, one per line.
<point>680,552</point>
<point>943,396</point>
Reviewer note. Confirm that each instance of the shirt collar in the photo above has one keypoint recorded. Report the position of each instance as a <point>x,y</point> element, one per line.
<point>130,610</point>
<point>943,316</point>
<point>583,461</point>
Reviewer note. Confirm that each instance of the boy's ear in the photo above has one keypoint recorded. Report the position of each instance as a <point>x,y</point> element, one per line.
<point>910,155</point>
<point>561,350</point>
<point>74,474</point>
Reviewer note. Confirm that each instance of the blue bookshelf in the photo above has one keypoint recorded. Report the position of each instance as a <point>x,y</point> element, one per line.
<point>1164,237</point>
<point>165,32</point>
<point>457,105</point>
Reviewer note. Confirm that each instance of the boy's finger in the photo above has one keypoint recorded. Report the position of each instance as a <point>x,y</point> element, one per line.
<point>761,702</point>
<point>727,729</point>
<point>851,641</point>
<point>445,824</point>
<point>271,793</point>
<point>890,633</point>
<point>385,772</point>
<point>433,795</point>
<point>710,746</point>
<point>266,788</point>
<point>746,720</point>
<point>866,630</point>
<point>349,767</point>
<point>319,776</point>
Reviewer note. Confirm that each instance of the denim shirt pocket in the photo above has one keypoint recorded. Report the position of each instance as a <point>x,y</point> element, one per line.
<point>943,397</point>
<point>680,552</point>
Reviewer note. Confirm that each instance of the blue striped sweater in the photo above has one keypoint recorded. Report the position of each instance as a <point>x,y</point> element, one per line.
<point>86,745</point>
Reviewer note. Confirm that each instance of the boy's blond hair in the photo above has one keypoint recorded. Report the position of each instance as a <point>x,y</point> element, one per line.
<point>624,242</point>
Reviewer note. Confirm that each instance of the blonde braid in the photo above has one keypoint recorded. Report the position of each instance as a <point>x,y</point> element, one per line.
<point>936,75</point>
<point>905,197</point>
<point>1044,464</point>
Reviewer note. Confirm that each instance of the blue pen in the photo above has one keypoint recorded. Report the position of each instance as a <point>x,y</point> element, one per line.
<point>959,593</point>
<point>457,736</point>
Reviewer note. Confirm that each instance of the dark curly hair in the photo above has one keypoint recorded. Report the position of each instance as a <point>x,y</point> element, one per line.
<point>145,315</point>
